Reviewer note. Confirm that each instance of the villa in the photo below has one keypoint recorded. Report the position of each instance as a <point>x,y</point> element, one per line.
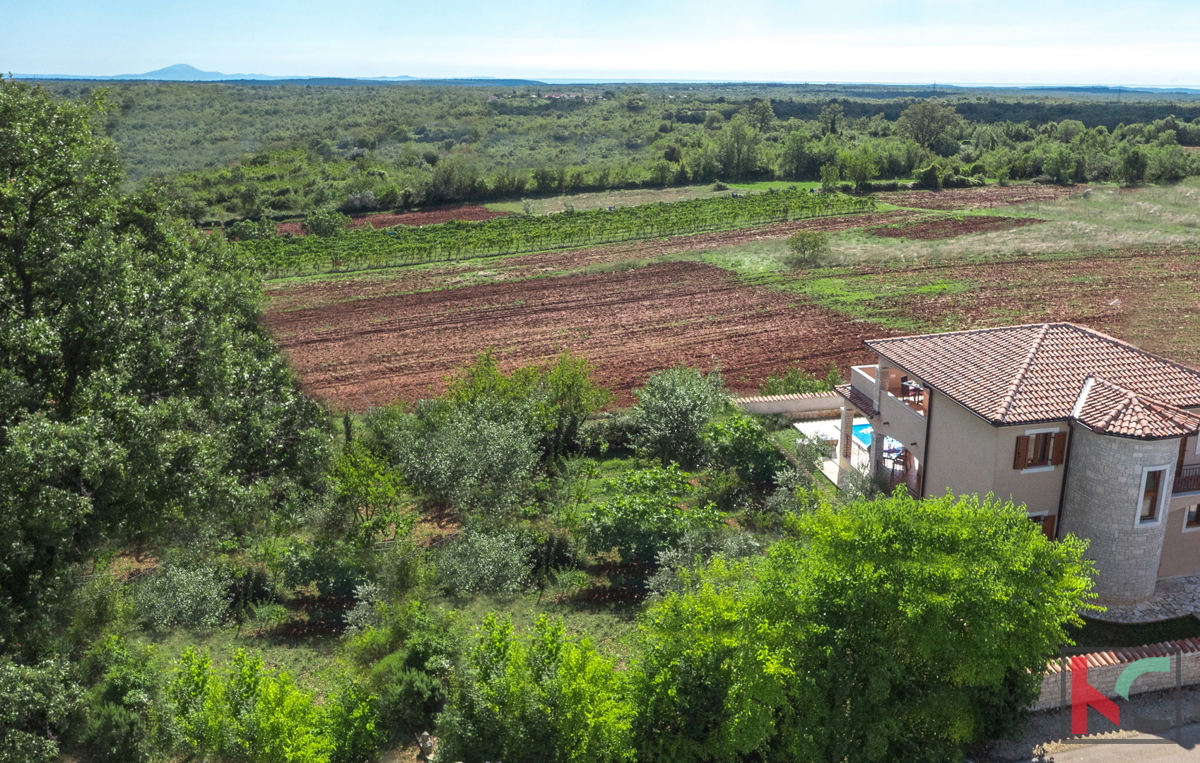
<point>1092,435</point>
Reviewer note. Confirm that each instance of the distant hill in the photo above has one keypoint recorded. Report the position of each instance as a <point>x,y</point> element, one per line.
<point>188,73</point>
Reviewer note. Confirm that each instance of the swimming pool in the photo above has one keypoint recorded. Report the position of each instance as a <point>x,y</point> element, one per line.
<point>862,433</point>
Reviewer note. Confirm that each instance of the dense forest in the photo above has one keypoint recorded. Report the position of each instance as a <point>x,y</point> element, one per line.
<point>235,151</point>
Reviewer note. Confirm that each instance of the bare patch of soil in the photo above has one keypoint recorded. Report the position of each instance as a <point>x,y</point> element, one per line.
<point>949,227</point>
<point>428,217</point>
<point>987,197</point>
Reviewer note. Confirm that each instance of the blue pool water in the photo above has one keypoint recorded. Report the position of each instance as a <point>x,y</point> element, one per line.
<point>862,433</point>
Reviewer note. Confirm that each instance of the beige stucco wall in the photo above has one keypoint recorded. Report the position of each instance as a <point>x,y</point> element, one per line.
<point>1040,489</point>
<point>962,449</point>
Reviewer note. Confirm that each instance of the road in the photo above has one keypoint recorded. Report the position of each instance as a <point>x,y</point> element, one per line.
<point>1141,753</point>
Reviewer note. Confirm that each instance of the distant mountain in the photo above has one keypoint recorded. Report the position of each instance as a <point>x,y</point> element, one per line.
<point>187,73</point>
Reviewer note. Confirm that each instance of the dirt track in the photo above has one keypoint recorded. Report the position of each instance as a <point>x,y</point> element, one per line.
<point>371,352</point>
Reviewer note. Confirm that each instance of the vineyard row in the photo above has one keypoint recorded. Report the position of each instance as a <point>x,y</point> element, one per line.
<point>455,240</point>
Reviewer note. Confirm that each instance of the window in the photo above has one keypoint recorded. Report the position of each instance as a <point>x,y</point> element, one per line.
<point>1151,491</point>
<point>1046,523</point>
<point>1193,516</point>
<point>1040,449</point>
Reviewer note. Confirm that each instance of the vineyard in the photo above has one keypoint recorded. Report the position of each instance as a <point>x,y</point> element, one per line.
<point>456,240</point>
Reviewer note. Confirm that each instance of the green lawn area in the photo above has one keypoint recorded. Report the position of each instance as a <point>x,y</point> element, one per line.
<point>1101,634</point>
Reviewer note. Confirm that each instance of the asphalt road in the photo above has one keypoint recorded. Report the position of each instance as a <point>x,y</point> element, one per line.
<point>1135,753</point>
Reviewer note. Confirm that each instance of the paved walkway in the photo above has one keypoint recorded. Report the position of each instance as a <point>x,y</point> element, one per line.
<point>1174,597</point>
<point>1124,753</point>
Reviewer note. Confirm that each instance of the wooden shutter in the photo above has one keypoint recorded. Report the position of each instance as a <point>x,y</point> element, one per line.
<point>1058,448</point>
<point>1048,524</point>
<point>1021,457</point>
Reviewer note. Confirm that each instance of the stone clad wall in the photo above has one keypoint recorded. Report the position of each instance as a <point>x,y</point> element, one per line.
<point>1101,502</point>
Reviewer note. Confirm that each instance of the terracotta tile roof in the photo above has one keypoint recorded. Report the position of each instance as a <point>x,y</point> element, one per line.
<point>1099,659</point>
<point>1107,408</point>
<point>1033,373</point>
<point>860,401</point>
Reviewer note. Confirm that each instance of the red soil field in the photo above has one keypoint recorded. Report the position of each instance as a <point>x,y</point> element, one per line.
<point>289,296</point>
<point>988,197</point>
<point>948,227</point>
<point>374,351</point>
<point>430,217</point>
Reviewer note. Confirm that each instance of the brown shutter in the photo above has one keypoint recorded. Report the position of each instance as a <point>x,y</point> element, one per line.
<point>1059,448</point>
<point>1048,526</point>
<point>1021,457</point>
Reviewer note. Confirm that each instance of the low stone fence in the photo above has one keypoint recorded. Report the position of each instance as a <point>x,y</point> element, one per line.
<point>806,404</point>
<point>1105,667</point>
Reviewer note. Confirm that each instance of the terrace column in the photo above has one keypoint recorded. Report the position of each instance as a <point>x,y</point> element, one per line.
<point>845,444</point>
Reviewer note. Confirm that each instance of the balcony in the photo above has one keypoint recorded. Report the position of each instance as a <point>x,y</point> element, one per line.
<point>1188,480</point>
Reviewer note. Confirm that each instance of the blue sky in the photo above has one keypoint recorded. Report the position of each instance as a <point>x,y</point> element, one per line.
<point>1150,42</point>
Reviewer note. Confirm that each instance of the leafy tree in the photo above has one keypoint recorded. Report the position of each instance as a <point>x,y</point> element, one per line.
<point>832,119</point>
<point>738,148</point>
<point>893,629</point>
<point>647,514</point>
<point>249,230</point>
<point>549,700</point>
<point>672,412</point>
<point>140,399</point>
<point>740,443</point>
<point>369,495</point>
<point>931,124</point>
<point>762,116</point>
<point>806,248</point>
<point>830,177</point>
<point>35,704</point>
<point>325,222</point>
<point>796,380</point>
<point>859,165</point>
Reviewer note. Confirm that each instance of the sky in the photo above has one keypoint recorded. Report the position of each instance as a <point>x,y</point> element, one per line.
<point>1148,43</point>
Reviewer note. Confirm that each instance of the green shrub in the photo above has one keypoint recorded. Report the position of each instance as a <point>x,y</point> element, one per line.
<point>332,569</point>
<point>409,696</point>
<point>457,456</point>
<point>672,412</point>
<point>645,516</point>
<point>697,548</point>
<point>740,443</point>
<point>250,230</point>
<point>182,595</point>
<point>796,380</point>
<point>549,700</point>
<point>118,720</point>
<point>35,705</point>
<point>485,562</point>
<point>806,249</point>
<point>324,223</point>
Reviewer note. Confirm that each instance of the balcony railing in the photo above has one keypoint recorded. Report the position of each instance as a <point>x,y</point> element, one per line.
<point>1188,480</point>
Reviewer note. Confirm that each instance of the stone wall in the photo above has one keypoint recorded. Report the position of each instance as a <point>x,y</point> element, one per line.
<point>1101,503</point>
<point>1105,667</point>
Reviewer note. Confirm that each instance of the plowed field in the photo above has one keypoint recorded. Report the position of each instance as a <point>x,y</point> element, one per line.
<point>948,227</point>
<point>374,351</point>
<point>988,197</point>
<point>409,218</point>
